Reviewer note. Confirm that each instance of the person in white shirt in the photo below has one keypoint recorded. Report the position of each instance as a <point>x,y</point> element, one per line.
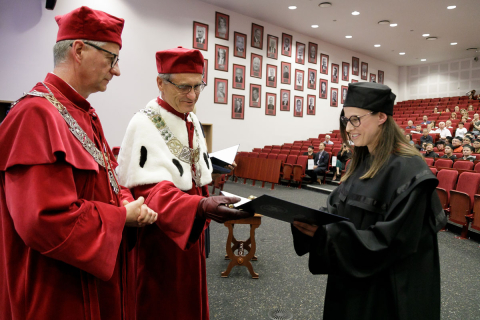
<point>460,132</point>
<point>327,140</point>
<point>444,132</point>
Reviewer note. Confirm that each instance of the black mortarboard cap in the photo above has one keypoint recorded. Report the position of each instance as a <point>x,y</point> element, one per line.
<point>370,96</point>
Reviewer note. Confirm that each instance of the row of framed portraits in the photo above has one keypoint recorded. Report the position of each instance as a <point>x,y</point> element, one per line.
<point>255,101</point>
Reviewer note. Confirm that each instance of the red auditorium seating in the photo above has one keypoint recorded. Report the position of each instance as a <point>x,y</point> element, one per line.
<point>443,163</point>
<point>299,170</point>
<point>429,161</point>
<point>461,199</point>
<point>477,167</point>
<point>476,214</point>
<point>434,170</point>
<point>272,156</point>
<point>287,173</point>
<point>263,155</point>
<point>463,165</point>
<point>257,150</point>
<point>447,179</point>
<point>282,157</point>
<point>253,154</point>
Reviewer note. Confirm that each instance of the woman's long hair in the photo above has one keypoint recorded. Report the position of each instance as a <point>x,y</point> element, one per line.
<point>390,140</point>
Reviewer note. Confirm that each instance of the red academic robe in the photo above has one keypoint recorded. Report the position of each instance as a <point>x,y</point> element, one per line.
<point>61,252</point>
<point>170,254</point>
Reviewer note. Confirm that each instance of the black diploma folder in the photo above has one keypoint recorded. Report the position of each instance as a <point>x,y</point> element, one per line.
<point>287,211</point>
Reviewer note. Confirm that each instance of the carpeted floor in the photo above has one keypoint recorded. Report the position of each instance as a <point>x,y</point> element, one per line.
<point>287,287</point>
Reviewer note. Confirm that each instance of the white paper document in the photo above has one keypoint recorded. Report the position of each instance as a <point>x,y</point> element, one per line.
<point>334,161</point>
<point>226,155</point>
<point>310,164</point>
<point>242,201</point>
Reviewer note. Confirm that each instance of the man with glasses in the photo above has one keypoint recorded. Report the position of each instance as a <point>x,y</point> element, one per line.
<point>62,218</point>
<point>164,158</point>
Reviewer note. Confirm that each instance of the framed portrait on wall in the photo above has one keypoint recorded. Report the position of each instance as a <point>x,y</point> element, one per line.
<point>271,104</point>
<point>205,71</point>
<point>312,52</point>
<point>286,45</point>
<point>300,54</point>
<point>285,102</point>
<point>238,77</point>
<point>272,47</point>
<point>311,105</point>
<point>299,79</point>
<point>345,71</point>
<point>255,95</point>
<point>220,91</point>
<point>324,63</point>
<point>344,93</point>
<point>286,69</point>
<point>323,89</point>
<point>271,76</point>
<point>256,65</point>
<point>222,22</point>
<point>200,36</point>
<point>240,49</point>
<point>238,106</point>
<point>221,58</point>
<point>364,73</point>
<point>381,75</point>
<point>333,97</point>
<point>355,65</point>
<point>373,77</point>
<point>312,79</point>
<point>335,68</point>
<point>257,36</point>
<point>298,106</point>
<point>354,81</point>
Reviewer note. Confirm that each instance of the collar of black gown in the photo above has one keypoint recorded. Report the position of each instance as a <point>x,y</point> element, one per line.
<point>370,96</point>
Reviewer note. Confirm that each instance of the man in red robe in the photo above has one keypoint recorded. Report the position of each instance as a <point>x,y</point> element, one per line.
<point>62,254</point>
<point>164,158</point>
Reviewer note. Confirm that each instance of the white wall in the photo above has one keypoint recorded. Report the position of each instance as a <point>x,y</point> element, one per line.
<point>28,33</point>
<point>444,79</point>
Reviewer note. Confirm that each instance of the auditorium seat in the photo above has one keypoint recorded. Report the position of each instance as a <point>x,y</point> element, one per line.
<point>282,157</point>
<point>461,199</point>
<point>477,167</point>
<point>299,170</point>
<point>253,154</point>
<point>434,170</point>
<point>272,156</point>
<point>429,161</point>
<point>257,150</point>
<point>263,155</point>
<point>476,213</point>
<point>447,179</point>
<point>287,172</point>
<point>462,165</point>
<point>443,163</point>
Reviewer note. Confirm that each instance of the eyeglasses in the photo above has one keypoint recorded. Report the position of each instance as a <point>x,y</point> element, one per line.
<point>115,58</point>
<point>186,88</point>
<point>354,120</point>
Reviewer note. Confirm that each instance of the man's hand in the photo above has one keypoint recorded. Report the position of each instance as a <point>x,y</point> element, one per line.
<point>139,214</point>
<point>315,167</point>
<point>215,208</point>
<point>305,228</point>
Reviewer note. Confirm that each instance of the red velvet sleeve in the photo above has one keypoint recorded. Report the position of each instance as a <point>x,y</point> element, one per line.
<point>176,211</point>
<point>49,217</point>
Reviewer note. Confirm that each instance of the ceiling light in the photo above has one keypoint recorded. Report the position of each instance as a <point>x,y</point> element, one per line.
<point>325,5</point>
<point>472,49</point>
<point>376,45</point>
<point>432,38</point>
<point>355,13</point>
<point>292,7</point>
<point>314,25</point>
<point>383,22</point>
<point>348,37</point>
<point>393,24</point>
<point>451,7</point>
<point>426,35</point>
<point>453,44</point>
<point>401,53</point>
<point>423,59</point>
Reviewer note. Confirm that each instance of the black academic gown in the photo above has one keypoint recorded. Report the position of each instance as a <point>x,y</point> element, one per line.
<point>384,262</point>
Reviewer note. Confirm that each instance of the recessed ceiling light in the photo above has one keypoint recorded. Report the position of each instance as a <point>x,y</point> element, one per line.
<point>426,35</point>
<point>453,44</point>
<point>355,13</point>
<point>423,59</point>
<point>376,45</point>
<point>348,37</point>
<point>325,5</point>
<point>314,25</point>
<point>292,7</point>
<point>383,22</point>
<point>472,48</point>
<point>401,53</point>
<point>393,24</point>
<point>432,38</point>
<point>451,7</point>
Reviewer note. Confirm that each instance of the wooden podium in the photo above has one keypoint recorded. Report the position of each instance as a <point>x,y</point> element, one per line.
<point>240,259</point>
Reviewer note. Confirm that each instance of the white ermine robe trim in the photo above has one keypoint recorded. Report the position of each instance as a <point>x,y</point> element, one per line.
<point>141,132</point>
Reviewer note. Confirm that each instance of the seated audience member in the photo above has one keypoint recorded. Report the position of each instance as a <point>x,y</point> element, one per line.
<point>476,146</point>
<point>425,120</point>
<point>453,116</point>
<point>410,125</point>
<point>470,108</point>
<point>466,141</point>
<point>440,146</point>
<point>430,128</point>
<point>429,153</point>
<point>448,153</point>
<point>442,130</point>
<point>327,140</point>
<point>435,110</point>
<point>310,152</point>
<point>476,124</point>
<point>418,129</point>
<point>434,125</point>
<point>342,157</point>
<point>464,114</point>
<point>426,137</point>
<point>448,124</point>
<point>447,109</point>
<point>471,94</point>
<point>464,120</point>
<point>461,130</point>
<point>457,144</point>
<point>448,140</point>
<point>320,163</point>
<point>457,109</point>
<point>467,153</point>
<point>409,138</point>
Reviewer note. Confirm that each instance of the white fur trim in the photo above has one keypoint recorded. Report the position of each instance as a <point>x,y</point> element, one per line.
<point>159,166</point>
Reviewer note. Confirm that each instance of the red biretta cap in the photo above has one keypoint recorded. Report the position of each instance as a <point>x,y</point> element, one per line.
<point>88,24</point>
<point>179,60</point>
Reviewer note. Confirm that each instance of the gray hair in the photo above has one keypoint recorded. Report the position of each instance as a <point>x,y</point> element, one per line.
<point>164,76</point>
<point>61,48</point>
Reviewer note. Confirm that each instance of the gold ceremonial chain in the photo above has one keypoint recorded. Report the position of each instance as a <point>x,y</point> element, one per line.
<point>183,153</point>
<point>78,132</point>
